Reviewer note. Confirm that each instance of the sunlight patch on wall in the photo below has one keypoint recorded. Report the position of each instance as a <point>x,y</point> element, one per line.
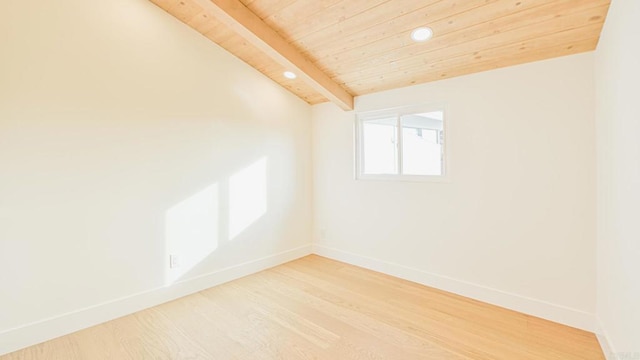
<point>192,231</point>
<point>247,197</point>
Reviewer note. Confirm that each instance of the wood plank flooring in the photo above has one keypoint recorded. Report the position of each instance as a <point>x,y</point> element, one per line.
<point>316,308</point>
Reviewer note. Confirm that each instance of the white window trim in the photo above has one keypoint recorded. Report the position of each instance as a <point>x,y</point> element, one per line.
<point>398,113</point>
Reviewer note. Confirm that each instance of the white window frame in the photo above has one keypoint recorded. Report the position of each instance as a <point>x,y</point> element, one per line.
<point>361,117</point>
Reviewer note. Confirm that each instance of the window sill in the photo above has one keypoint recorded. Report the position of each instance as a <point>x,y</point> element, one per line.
<point>406,178</point>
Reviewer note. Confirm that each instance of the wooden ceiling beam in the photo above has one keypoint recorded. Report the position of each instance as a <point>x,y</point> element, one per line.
<point>238,17</point>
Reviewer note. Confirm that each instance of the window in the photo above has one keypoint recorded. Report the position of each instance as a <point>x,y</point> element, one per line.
<point>403,143</point>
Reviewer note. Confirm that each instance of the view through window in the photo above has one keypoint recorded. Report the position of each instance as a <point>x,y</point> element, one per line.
<point>401,143</point>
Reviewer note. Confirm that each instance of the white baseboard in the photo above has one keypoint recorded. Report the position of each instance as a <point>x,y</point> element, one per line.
<point>50,328</point>
<point>605,344</point>
<point>553,312</point>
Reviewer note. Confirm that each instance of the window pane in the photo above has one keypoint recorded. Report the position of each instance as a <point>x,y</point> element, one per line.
<point>380,141</point>
<point>422,136</point>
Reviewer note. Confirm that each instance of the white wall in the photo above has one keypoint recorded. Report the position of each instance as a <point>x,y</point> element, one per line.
<point>112,113</point>
<point>515,225</point>
<point>618,126</point>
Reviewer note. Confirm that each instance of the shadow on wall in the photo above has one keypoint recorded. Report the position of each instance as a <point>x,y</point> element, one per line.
<point>216,215</point>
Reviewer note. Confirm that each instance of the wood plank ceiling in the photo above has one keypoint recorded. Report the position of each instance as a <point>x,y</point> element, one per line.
<point>364,46</point>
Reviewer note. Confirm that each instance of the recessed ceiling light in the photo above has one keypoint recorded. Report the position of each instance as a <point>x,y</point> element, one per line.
<point>422,34</point>
<point>289,75</point>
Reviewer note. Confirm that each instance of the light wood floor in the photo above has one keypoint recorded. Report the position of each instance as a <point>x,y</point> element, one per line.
<point>316,308</point>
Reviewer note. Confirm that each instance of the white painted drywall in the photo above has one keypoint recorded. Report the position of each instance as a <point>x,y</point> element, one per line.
<point>516,220</point>
<point>618,148</point>
<point>125,135</point>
